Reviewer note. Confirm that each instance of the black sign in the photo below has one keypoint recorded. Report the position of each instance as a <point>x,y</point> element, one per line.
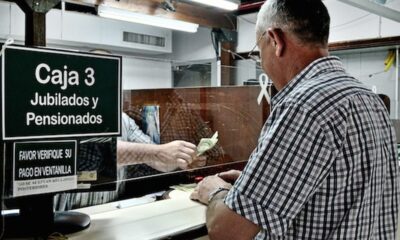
<point>56,94</point>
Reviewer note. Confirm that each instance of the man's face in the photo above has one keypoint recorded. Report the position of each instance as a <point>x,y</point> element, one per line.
<point>266,53</point>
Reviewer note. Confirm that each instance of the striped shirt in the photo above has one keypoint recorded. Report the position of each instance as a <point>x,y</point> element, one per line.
<point>325,166</point>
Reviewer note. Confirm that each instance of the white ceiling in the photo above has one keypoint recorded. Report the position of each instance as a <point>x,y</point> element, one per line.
<point>386,8</point>
<point>393,4</point>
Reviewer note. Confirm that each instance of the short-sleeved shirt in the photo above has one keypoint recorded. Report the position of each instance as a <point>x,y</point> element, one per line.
<point>325,166</point>
<point>131,132</point>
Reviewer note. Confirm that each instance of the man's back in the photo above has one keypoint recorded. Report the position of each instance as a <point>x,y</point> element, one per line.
<point>358,199</point>
<point>326,164</point>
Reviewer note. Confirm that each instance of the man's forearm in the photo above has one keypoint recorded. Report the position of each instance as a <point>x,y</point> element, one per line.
<point>213,209</point>
<point>164,157</point>
<point>135,153</point>
<point>223,223</point>
<point>213,204</point>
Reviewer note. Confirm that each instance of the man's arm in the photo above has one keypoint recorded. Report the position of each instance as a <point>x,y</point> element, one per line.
<point>164,157</point>
<point>135,147</point>
<point>222,222</point>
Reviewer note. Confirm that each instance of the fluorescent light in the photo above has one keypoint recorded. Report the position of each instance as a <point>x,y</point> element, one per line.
<point>125,15</point>
<point>224,4</point>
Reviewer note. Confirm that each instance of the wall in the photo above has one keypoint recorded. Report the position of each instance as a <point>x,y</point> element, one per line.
<point>245,70</point>
<point>75,29</point>
<point>62,31</point>
<point>246,32</point>
<point>145,74</point>
<point>347,23</point>
<point>195,48</point>
<point>192,46</point>
<point>368,67</point>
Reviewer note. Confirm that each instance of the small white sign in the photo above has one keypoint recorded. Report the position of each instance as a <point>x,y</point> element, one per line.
<point>45,185</point>
<point>44,167</point>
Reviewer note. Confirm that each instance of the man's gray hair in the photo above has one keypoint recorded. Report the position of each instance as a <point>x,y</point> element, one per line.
<point>308,19</point>
<point>267,17</point>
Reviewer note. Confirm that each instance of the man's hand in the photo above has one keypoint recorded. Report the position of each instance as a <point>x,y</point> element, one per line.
<point>221,221</point>
<point>198,161</point>
<point>206,186</point>
<point>173,155</point>
<point>230,176</point>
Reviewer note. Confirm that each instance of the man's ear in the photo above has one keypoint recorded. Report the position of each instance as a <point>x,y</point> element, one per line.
<point>277,40</point>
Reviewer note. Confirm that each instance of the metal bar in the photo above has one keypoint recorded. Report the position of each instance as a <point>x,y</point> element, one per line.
<point>35,29</point>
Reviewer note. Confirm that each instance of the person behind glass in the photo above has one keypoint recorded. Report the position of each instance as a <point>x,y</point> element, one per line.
<point>136,149</point>
<point>325,166</point>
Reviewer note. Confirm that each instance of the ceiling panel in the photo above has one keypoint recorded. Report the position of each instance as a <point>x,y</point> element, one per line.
<point>386,8</point>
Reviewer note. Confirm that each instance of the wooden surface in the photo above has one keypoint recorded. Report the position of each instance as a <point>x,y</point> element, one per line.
<point>365,43</point>
<point>228,69</point>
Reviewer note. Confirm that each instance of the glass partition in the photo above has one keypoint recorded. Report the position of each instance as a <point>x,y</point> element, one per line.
<point>191,114</point>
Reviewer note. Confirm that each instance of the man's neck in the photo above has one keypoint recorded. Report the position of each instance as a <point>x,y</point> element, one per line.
<point>295,62</point>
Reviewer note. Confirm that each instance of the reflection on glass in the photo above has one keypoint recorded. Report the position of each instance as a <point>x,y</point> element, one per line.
<point>151,122</point>
<point>189,75</point>
<point>187,114</point>
<point>190,114</point>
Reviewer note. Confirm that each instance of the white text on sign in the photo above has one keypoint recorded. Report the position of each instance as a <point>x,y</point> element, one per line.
<point>44,75</point>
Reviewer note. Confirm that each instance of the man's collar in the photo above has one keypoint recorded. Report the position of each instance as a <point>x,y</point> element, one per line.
<point>317,67</point>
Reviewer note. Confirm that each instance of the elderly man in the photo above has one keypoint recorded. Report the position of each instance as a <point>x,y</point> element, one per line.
<point>326,162</point>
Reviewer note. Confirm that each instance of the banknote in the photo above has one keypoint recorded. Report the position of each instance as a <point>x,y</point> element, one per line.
<point>206,144</point>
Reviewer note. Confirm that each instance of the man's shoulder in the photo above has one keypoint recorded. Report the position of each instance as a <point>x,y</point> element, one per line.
<point>331,90</point>
<point>327,99</point>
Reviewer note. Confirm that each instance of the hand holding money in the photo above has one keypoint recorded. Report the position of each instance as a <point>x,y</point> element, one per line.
<point>206,144</point>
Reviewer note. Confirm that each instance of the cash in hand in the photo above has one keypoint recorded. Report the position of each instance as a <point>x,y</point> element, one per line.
<point>206,144</point>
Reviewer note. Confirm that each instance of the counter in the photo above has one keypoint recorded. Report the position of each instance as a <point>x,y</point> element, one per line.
<point>156,220</point>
